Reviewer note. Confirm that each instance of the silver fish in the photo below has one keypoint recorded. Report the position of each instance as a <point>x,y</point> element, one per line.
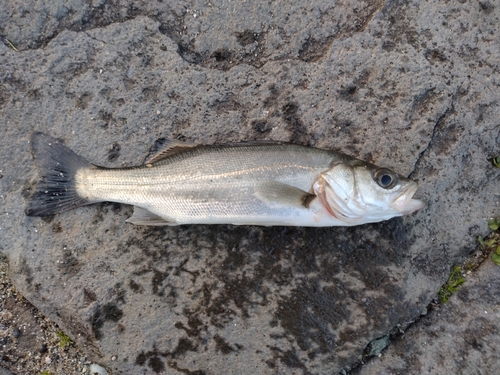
<point>249,183</point>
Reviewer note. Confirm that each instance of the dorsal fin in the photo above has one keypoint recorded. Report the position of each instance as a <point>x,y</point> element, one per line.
<point>164,147</point>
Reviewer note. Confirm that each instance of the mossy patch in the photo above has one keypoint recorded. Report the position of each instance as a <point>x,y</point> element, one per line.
<point>496,161</point>
<point>492,243</point>
<point>63,340</point>
<point>455,279</point>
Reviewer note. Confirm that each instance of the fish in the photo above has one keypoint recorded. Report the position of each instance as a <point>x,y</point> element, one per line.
<point>254,183</point>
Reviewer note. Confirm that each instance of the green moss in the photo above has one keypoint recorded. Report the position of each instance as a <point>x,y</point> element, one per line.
<point>496,256</point>
<point>45,373</point>
<point>64,340</point>
<point>494,224</point>
<point>493,242</point>
<point>454,281</point>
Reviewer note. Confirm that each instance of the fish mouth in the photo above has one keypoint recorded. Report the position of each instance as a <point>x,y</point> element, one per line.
<point>405,203</point>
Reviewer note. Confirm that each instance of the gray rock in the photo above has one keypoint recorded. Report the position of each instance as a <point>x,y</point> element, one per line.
<point>376,346</point>
<point>407,85</point>
<point>460,337</point>
<point>4,371</point>
<point>16,333</point>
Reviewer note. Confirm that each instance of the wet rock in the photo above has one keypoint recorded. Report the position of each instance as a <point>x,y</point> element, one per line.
<point>460,337</point>
<point>376,346</point>
<point>16,333</point>
<point>398,85</point>
<point>4,371</point>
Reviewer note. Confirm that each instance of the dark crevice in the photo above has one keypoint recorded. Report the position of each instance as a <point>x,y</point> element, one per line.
<point>379,6</point>
<point>314,50</point>
<point>91,37</point>
<point>439,123</point>
<point>42,42</point>
<point>172,25</point>
<point>472,263</point>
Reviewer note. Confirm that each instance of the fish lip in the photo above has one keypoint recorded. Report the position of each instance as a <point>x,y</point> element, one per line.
<point>405,203</point>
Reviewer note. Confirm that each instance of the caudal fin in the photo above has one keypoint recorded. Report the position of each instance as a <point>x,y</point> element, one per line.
<point>58,165</point>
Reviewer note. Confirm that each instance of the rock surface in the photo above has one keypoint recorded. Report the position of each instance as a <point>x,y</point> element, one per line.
<point>29,342</point>
<point>461,337</point>
<point>4,371</point>
<point>409,85</point>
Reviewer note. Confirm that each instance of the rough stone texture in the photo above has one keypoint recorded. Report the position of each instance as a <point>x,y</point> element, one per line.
<point>409,85</point>
<point>4,371</point>
<point>29,342</point>
<point>460,337</point>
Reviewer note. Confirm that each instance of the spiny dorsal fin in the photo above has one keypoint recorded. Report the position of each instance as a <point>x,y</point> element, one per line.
<point>166,147</point>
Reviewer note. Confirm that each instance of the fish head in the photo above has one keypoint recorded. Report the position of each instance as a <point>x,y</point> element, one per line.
<point>357,192</point>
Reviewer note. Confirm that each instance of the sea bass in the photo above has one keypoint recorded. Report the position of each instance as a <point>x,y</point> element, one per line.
<point>244,184</point>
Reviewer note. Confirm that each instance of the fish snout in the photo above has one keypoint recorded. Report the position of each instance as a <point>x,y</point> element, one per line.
<point>405,203</point>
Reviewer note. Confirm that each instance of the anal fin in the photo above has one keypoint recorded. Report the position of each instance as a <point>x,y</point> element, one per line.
<point>142,216</point>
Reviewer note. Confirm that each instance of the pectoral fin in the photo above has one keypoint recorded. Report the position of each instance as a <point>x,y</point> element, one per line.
<point>274,192</point>
<point>145,217</point>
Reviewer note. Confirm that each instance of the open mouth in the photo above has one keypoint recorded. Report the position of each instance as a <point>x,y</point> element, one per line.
<point>404,202</point>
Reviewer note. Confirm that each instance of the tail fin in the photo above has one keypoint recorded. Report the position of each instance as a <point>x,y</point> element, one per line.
<point>58,165</point>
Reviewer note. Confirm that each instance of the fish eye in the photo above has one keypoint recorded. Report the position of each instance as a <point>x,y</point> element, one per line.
<point>385,178</point>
